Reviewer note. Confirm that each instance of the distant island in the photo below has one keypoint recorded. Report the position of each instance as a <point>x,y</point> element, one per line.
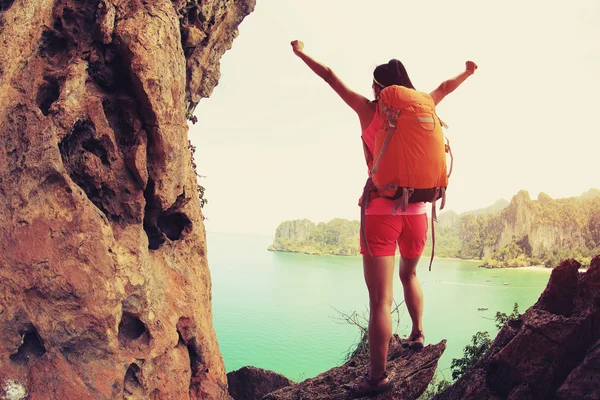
<point>338,237</point>
<point>519,233</point>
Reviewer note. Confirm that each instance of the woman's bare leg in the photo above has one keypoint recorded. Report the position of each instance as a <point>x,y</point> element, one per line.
<point>379,277</point>
<point>413,293</point>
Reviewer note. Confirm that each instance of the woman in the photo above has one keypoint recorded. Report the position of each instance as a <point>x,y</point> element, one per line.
<point>408,229</point>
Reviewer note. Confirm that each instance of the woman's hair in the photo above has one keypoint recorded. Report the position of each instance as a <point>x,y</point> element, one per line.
<point>392,73</point>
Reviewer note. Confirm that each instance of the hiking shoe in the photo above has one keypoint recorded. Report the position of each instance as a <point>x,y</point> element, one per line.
<point>370,387</point>
<point>415,341</point>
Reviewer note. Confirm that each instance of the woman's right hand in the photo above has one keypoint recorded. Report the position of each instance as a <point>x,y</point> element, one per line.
<point>471,67</point>
<point>297,46</point>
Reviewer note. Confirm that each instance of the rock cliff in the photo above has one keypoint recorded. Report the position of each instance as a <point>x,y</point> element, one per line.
<point>105,290</point>
<point>548,223</point>
<point>545,230</point>
<point>297,230</point>
<point>549,352</point>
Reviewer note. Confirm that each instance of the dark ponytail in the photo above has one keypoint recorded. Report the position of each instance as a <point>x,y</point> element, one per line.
<point>392,73</point>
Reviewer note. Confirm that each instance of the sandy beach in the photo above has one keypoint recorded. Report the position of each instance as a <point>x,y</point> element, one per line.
<point>542,268</point>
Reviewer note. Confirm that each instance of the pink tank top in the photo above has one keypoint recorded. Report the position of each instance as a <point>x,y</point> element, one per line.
<point>380,205</point>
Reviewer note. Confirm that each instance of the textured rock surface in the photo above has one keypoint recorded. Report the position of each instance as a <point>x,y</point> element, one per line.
<point>411,370</point>
<point>297,230</point>
<point>105,291</point>
<point>551,351</point>
<point>523,218</point>
<point>250,383</point>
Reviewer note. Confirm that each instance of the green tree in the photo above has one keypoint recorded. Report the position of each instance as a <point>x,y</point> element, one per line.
<point>525,246</point>
<point>436,387</point>
<point>493,227</point>
<point>503,318</point>
<point>594,225</point>
<point>201,189</point>
<point>480,343</point>
<point>470,235</point>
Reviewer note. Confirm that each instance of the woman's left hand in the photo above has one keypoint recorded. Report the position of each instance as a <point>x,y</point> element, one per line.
<point>297,46</point>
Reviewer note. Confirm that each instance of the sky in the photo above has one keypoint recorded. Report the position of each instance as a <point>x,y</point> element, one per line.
<point>276,143</point>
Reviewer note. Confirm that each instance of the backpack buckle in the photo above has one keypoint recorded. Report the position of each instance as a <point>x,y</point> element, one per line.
<point>392,118</point>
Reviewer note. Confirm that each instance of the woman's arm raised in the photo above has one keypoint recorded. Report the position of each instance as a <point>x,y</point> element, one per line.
<point>359,103</point>
<point>450,85</point>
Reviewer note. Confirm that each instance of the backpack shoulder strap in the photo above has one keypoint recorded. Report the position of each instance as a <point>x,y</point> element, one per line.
<point>391,117</point>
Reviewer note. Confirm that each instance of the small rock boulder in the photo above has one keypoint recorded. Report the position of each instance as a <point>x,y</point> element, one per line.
<point>250,383</point>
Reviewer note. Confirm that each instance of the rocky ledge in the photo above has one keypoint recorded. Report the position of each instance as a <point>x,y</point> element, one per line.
<point>411,370</point>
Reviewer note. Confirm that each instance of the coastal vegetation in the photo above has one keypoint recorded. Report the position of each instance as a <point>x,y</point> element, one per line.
<point>519,233</point>
<point>526,232</point>
<point>336,237</point>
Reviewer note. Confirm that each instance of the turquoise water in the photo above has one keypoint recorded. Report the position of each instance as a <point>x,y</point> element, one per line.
<point>276,310</point>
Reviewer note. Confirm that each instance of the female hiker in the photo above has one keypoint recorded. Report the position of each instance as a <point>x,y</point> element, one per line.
<point>407,229</point>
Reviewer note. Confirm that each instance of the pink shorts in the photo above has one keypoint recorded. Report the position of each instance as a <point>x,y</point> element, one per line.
<point>384,231</point>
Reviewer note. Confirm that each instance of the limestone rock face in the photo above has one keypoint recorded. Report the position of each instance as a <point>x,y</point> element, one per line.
<point>550,352</point>
<point>520,219</point>
<point>297,230</point>
<point>544,228</point>
<point>105,290</point>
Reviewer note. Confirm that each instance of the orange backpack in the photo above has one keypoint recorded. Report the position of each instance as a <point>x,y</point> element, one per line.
<point>409,160</point>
